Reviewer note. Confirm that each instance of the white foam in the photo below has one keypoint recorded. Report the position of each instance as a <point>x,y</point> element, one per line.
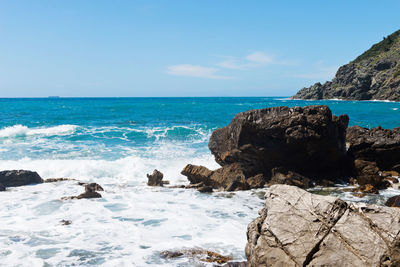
<point>21,130</point>
<point>130,225</point>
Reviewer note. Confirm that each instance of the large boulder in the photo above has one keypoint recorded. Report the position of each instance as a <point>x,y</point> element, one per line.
<point>309,141</point>
<point>19,178</point>
<point>297,228</point>
<point>376,145</point>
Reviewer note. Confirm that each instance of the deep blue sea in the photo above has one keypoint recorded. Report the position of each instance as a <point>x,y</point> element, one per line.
<point>116,142</point>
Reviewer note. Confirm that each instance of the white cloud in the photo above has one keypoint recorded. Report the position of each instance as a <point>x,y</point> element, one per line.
<point>260,58</point>
<point>195,71</point>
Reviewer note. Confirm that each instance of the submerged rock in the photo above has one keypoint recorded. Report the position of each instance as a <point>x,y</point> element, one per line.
<point>155,179</point>
<point>309,141</point>
<point>19,178</point>
<point>65,222</point>
<point>196,254</point>
<point>297,228</point>
<point>55,180</point>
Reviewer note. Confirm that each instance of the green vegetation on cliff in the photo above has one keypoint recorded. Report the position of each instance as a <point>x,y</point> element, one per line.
<point>375,74</point>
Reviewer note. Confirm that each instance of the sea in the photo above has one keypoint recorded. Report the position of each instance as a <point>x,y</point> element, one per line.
<point>115,142</point>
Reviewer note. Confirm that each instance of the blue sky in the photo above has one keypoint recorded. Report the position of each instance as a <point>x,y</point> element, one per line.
<point>182,48</point>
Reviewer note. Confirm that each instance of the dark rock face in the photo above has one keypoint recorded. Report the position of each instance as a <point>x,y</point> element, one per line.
<point>376,145</point>
<point>309,141</point>
<point>2,187</point>
<point>90,192</point>
<point>393,202</point>
<point>155,179</point>
<point>297,228</point>
<point>283,176</point>
<point>19,178</point>
<point>373,75</point>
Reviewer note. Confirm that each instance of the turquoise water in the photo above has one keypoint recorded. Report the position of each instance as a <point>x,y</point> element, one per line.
<point>110,128</point>
<point>116,142</point>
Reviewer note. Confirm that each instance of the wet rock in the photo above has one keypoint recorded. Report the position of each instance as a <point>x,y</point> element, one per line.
<point>2,187</point>
<point>393,202</point>
<point>205,189</point>
<point>297,228</point>
<point>282,176</point>
<point>93,187</point>
<point>155,179</point>
<point>54,180</point>
<point>390,174</point>
<point>196,254</point>
<point>229,177</point>
<point>378,145</point>
<point>236,264</point>
<point>65,222</point>
<point>293,138</point>
<point>90,192</point>
<point>19,178</point>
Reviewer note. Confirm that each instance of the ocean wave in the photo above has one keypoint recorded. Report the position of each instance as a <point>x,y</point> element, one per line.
<point>21,130</point>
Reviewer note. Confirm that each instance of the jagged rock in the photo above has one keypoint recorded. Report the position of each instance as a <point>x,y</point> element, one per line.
<point>93,187</point>
<point>155,179</point>
<point>373,75</point>
<point>297,228</point>
<point>19,178</point>
<point>90,192</point>
<point>283,176</point>
<point>393,202</point>
<point>257,181</point>
<point>375,145</point>
<point>65,222</point>
<point>229,177</point>
<point>2,187</point>
<point>294,138</point>
<point>196,254</point>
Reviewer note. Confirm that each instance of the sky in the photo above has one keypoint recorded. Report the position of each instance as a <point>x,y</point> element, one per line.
<point>97,48</point>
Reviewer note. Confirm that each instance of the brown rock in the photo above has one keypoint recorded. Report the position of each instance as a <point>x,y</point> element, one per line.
<point>89,194</point>
<point>205,189</point>
<point>390,173</point>
<point>297,228</point>
<point>54,180</point>
<point>393,202</point>
<point>257,181</point>
<point>282,176</point>
<point>93,187</point>
<point>155,179</point>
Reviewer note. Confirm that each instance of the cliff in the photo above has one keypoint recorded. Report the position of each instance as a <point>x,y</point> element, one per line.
<point>374,75</point>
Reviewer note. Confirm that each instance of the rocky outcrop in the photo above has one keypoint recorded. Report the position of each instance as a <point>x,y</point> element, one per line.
<point>2,187</point>
<point>283,176</point>
<point>155,179</point>
<point>297,228</point>
<point>373,75</point>
<point>19,178</point>
<point>229,178</point>
<point>376,145</point>
<point>293,138</point>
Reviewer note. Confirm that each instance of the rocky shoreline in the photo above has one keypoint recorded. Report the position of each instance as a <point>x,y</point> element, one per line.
<point>374,75</point>
<point>288,149</point>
